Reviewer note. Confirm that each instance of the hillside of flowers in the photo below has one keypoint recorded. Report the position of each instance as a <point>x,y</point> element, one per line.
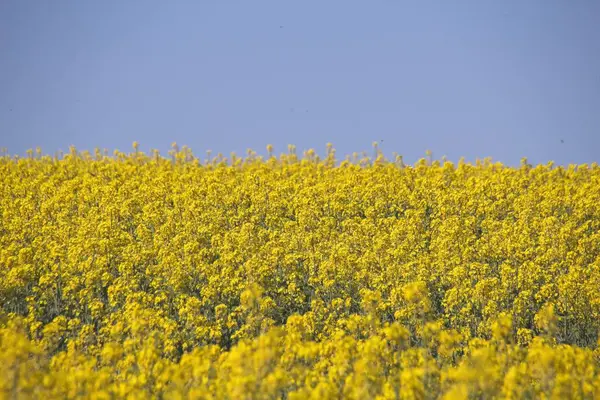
<point>289,276</point>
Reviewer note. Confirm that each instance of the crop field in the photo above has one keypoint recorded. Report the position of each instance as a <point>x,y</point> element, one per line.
<point>292,276</point>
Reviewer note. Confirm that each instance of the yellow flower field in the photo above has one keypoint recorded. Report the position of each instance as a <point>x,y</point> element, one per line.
<point>297,277</point>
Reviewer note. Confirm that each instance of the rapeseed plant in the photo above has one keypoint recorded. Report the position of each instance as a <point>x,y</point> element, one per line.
<point>140,276</point>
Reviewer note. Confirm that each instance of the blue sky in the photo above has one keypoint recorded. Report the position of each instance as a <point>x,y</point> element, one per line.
<point>477,78</point>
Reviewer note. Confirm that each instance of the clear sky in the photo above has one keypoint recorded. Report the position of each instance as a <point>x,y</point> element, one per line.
<point>472,78</point>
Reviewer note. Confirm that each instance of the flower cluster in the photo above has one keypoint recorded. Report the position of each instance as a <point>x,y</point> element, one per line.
<point>141,276</point>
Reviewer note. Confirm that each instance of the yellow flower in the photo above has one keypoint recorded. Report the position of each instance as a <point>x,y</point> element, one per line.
<point>139,276</point>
